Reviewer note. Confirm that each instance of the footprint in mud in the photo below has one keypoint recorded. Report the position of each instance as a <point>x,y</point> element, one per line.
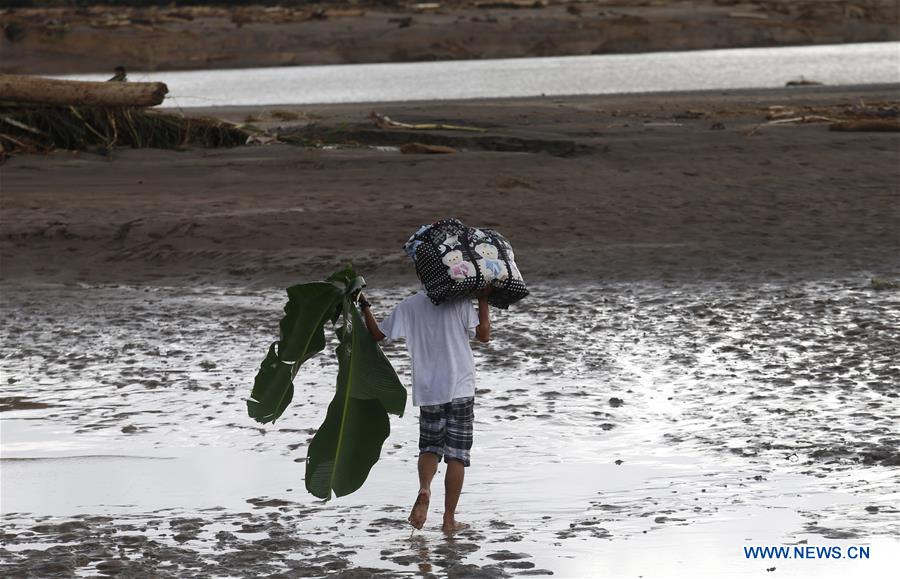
<point>9,403</point>
<point>663,519</point>
<point>829,533</point>
<point>186,529</point>
<point>462,571</point>
<point>388,523</point>
<point>260,503</point>
<point>510,560</point>
<point>585,528</point>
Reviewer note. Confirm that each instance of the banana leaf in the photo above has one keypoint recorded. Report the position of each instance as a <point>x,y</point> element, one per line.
<point>348,444</point>
<point>309,307</point>
<point>273,388</point>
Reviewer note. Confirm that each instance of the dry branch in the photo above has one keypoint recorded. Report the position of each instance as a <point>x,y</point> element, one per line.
<point>803,119</point>
<point>386,122</point>
<point>423,149</point>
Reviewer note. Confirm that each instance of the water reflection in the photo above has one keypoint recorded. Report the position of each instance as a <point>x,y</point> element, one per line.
<point>846,64</point>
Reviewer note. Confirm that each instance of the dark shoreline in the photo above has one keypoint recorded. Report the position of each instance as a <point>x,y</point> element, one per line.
<point>70,40</point>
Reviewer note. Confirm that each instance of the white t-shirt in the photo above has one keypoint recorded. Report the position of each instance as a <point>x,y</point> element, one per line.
<point>437,338</point>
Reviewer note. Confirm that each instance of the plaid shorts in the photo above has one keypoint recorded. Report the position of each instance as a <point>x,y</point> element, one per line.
<point>446,429</point>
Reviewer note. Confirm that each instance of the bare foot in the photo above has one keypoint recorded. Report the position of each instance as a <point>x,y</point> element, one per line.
<point>454,527</point>
<point>420,509</point>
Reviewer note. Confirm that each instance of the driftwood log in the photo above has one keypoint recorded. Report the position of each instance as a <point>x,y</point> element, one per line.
<point>46,91</point>
<point>868,125</point>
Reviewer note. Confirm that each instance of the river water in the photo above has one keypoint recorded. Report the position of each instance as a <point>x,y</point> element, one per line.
<point>845,64</point>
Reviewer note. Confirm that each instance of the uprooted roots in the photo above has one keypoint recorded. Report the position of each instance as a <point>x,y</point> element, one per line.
<point>29,128</point>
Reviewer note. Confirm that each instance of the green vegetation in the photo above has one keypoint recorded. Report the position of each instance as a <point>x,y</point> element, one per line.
<point>356,425</point>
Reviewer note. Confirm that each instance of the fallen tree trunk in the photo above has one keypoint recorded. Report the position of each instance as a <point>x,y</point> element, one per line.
<point>36,90</point>
<point>868,125</point>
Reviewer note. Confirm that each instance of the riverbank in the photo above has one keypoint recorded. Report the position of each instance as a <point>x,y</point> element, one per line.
<point>99,38</point>
<point>710,289</point>
<point>690,185</point>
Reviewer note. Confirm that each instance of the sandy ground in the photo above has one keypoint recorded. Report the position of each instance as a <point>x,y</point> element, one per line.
<point>695,186</point>
<point>704,364</point>
<point>97,39</point>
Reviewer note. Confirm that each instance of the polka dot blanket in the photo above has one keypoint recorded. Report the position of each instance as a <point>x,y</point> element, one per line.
<point>453,260</point>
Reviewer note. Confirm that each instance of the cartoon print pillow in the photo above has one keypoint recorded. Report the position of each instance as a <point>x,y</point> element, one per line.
<point>453,260</point>
<point>491,266</point>
<point>457,266</point>
<point>512,265</point>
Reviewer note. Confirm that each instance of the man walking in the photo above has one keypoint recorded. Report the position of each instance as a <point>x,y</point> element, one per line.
<point>443,387</point>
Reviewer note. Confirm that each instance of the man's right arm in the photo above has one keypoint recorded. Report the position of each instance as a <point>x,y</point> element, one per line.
<point>371,324</point>
<point>483,329</point>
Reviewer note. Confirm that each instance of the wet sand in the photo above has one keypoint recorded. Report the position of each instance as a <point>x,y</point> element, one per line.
<point>97,39</point>
<point>613,420</point>
<point>705,363</point>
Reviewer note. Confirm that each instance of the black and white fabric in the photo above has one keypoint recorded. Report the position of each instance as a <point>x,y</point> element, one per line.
<point>447,430</point>
<point>453,260</point>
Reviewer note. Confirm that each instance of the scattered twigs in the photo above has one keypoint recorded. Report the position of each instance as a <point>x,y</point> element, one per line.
<point>780,112</point>
<point>868,117</point>
<point>753,131</point>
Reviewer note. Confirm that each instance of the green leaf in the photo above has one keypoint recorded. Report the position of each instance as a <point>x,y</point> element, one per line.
<point>353,283</point>
<point>309,307</point>
<point>346,447</point>
<point>273,388</point>
<point>343,276</point>
<point>370,371</point>
<point>348,444</point>
<point>349,441</point>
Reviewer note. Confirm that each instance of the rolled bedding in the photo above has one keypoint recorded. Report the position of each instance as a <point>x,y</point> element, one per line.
<point>454,260</point>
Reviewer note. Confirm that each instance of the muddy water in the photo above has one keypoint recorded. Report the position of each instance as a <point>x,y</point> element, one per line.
<point>624,430</point>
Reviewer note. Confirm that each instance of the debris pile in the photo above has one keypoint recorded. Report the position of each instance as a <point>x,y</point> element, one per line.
<point>39,129</point>
<point>40,115</point>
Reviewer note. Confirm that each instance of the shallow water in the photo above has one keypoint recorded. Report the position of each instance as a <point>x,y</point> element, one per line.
<point>741,68</point>
<point>641,429</point>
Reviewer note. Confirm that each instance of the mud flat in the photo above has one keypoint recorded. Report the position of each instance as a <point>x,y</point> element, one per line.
<point>707,362</point>
<point>98,38</point>
<point>613,419</point>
